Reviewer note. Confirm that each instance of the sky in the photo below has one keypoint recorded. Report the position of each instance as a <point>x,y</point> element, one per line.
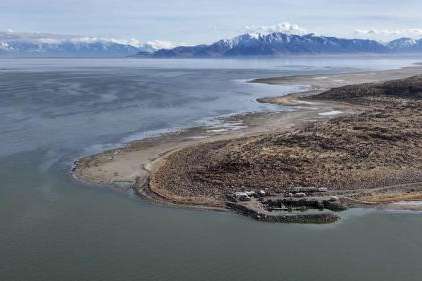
<point>204,21</point>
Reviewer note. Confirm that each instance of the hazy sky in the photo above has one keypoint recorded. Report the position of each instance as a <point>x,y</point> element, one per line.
<point>194,21</point>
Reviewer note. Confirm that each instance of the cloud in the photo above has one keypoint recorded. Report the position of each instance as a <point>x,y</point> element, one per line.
<point>158,44</point>
<point>284,27</point>
<point>389,33</point>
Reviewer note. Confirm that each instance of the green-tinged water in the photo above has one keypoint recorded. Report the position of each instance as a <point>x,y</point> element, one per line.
<point>53,228</point>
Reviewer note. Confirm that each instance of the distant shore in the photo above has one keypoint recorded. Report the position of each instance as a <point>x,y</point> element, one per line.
<point>144,165</point>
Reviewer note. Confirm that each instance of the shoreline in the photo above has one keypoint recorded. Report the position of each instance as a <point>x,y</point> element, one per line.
<point>132,165</point>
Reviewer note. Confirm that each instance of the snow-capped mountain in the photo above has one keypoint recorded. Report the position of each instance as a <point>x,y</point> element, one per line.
<point>278,43</point>
<point>274,44</point>
<point>406,45</point>
<point>14,44</point>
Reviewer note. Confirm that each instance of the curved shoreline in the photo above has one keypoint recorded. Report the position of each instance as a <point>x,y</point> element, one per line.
<point>138,160</point>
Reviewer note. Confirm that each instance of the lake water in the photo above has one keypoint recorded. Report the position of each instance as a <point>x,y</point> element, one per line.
<point>53,228</point>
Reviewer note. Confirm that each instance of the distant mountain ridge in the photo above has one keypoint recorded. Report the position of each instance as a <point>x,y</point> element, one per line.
<point>14,44</point>
<point>278,43</point>
<point>408,45</point>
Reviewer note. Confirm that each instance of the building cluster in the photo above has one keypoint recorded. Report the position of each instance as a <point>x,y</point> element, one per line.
<point>297,192</point>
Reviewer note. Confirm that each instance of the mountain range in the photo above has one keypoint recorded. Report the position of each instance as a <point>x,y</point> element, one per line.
<point>278,43</point>
<point>13,44</point>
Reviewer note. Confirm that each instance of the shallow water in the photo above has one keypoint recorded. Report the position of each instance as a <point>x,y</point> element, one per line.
<point>53,228</point>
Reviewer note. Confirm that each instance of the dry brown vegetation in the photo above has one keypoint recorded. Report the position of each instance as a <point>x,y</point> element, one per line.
<point>378,147</point>
<point>392,197</point>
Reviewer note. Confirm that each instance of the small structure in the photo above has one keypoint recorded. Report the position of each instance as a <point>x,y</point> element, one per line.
<point>250,193</point>
<point>300,194</point>
<point>261,193</point>
<point>308,189</point>
<point>242,196</point>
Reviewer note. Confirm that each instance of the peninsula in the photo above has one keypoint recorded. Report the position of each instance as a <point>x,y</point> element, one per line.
<point>353,140</point>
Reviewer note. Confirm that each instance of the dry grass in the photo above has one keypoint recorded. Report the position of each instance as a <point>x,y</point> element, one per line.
<point>392,197</point>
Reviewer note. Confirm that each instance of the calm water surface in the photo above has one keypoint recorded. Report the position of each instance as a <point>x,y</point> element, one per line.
<point>52,228</point>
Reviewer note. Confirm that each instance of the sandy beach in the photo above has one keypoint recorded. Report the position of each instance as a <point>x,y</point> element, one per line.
<point>139,164</point>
